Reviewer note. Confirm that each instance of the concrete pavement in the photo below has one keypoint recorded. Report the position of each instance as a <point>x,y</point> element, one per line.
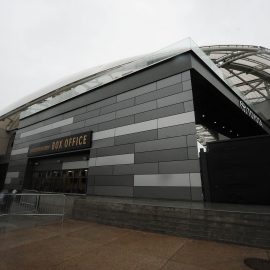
<point>86,245</point>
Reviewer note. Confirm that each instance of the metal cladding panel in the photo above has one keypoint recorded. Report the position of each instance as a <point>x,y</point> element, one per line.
<point>101,104</point>
<point>137,109</point>
<point>136,92</point>
<point>169,143</point>
<point>138,137</point>
<point>112,160</point>
<point>185,166</point>
<point>103,143</point>
<point>12,174</point>
<point>159,113</point>
<point>103,134</point>
<point>47,127</point>
<point>169,81</point>
<point>18,157</point>
<point>146,168</point>
<point>187,85</point>
<point>103,170</point>
<point>189,106</point>
<point>162,180</point>
<point>179,130</point>
<point>90,189</point>
<point>173,99</point>
<point>53,120</point>
<point>115,150</point>
<point>196,194</point>
<point>114,180</point>
<point>100,119</point>
<point>172,193</point>
<point>122,191</point>
<point>195,180</point>
<point>193,153</point>
<point>118,106</point>
<point>19,151</point>
<point>186,75</point>
<point>46,135</point>
<point>123,169</point>
<point>146,97</point>
<point>118,122</point>
<point>163,155</point>
<point>169,90</point>
<point>75,165</point>
<point>176,120</point>
<point>86,115</point>
<point>139,127</point>
<point>192,140</point>
<point>72,127</point>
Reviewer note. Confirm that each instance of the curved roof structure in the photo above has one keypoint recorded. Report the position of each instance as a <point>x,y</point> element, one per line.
<point>247,67</point>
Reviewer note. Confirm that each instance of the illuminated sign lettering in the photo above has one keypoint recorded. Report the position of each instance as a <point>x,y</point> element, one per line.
<point>64,144</point>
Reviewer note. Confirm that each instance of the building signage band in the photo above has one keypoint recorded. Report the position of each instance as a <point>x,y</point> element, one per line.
<point>60,145</point>
<point>250,113</point>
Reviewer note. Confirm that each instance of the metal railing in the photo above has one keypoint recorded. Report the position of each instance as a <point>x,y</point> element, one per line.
<point>33,204</point>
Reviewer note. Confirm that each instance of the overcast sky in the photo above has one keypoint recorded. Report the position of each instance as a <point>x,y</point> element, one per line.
<point>42,41</point>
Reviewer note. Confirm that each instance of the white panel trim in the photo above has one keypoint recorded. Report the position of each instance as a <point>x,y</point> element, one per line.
<point>112,160</point>
<point>81,164</point>
<point>19,151</point>
<point>61,123</point>
<point>173,120</point>
<point>177,119</point>
<point>92,162</point>
<point>195,180</point>
<point>138,127</point>
<point>162,180</point>
<point>103,134</point>
<point>12,174</point>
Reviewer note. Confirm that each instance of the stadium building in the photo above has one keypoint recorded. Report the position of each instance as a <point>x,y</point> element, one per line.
<point>142,127</point>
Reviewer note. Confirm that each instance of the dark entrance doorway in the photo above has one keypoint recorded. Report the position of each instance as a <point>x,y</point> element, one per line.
<point>237,171</point>
<point>66,181</point>
<point>65,173</point>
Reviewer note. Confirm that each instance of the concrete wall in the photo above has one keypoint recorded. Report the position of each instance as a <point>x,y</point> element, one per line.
<point>144,142</point>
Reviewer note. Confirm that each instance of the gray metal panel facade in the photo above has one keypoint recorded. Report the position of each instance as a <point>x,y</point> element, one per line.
<point>151,127</point>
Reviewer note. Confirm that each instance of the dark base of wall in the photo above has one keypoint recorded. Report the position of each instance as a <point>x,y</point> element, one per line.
<point>195,220</point>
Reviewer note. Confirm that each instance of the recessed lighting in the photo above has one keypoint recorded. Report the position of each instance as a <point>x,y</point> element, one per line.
<point>215,122</point>
<point>203,115</point>
<point>223,127</point>
<point>231,131</point>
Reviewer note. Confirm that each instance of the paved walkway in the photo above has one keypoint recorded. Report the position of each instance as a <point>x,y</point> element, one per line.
<point>85,245</point>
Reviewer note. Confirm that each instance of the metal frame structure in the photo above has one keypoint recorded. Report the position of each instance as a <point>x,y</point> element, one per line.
<point>248,67</point>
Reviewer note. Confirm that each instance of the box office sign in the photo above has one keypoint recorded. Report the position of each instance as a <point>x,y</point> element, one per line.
<point>60,145</point>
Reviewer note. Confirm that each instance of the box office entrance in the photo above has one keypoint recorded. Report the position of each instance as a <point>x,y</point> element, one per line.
<point>66,181</point>
<point>65,173</point>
